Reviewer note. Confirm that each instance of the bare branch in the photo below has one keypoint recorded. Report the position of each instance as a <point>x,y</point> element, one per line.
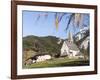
<point>38,17</point>
<point>61,16</point>
<point>69,21</point>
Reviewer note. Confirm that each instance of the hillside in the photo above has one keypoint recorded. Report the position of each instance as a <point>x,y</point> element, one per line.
<point>82,38</point>
<point>42,44</point>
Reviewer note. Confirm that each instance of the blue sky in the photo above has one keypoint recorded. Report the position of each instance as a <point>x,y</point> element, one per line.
<point>46,26</point>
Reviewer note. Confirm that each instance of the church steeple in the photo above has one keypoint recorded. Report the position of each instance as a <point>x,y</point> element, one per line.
<point>70,37</point>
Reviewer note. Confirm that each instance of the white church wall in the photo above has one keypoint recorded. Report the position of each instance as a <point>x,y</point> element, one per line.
<point>74,53</point>
<point>64,48</point>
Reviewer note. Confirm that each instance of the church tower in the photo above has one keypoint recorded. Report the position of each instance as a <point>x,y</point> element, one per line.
<point>70,37</point>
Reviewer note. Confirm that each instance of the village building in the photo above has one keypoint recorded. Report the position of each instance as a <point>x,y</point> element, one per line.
<point>43,58</point>
<point>38,58</point>
<point>69,48</point>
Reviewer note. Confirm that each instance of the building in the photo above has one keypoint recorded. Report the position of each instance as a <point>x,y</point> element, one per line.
<point>69,48</point>
<point>37,58</point>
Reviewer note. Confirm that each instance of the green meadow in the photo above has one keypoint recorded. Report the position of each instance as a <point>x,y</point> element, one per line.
<point>58,62</point>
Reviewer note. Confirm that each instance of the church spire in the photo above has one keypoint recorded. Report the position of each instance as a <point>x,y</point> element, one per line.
<point>70,37</point>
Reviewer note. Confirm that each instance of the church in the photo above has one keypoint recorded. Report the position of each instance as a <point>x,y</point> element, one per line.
<point>69,48</point>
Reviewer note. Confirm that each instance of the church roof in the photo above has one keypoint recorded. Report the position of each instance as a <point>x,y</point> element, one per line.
<point>72,46</point>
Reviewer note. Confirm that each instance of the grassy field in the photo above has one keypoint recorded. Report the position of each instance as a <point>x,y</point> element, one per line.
<point>58,62</point>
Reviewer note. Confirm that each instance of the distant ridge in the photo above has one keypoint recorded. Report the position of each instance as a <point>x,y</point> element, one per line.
<point>46,44</point>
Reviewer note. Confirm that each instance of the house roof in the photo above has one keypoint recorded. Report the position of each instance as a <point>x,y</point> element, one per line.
<point>72,46</point>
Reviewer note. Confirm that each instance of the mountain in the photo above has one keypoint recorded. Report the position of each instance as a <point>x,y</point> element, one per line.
<point>85,43</point>
<point>48,44</point>
<point>82,38</point>
<point>81,34</point>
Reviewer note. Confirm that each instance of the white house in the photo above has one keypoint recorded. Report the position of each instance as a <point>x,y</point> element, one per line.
<point>37,58</point>
<point>43,58</point>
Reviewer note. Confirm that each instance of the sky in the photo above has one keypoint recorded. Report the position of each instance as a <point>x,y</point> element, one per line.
<point>45,26</point>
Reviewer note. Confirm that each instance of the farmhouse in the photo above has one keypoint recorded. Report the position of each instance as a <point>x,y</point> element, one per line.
<point>69,48</point>
<point>43,57</point>
<point>37,58</point>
